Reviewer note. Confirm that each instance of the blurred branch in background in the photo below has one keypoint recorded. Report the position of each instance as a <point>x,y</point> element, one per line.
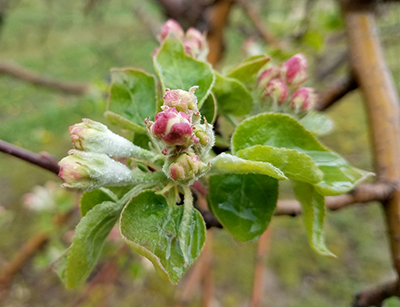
<point>258,24</point>
<point>375,296</point>
<point>19,72</point>
<point>43,160</point>
<point>150,24</point>
<point>338,90</point>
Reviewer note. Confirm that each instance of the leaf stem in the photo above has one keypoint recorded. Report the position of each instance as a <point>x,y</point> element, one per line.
<point>186,221</point>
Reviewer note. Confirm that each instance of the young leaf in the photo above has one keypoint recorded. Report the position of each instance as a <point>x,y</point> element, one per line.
<point>120,121</point>
<point>152,228</point>
<point>177,70</point>
<point>247,71</point>
<point>244,204</point>
<point>292,163</point>
<point>317,123</point>
<point>313,206</point>
<point>209,109</point>
<point>93,198</point>
<point>232,96</point>
<point>225,163</point>
<point>132,95</point>
<point>283,131</point>
<point>88,240</point>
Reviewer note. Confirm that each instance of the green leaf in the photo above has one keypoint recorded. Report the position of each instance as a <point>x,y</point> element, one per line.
<point>229,164</point>
<point>317,123</point>
<point>292,163</point>
<point>118,120</point>
<point>232,96</point>
<point>177,70</point>
<point>246,72</point>
<point>132,95</point>
<point>88,240</point>
<point>152,228</point>
<point>93,198</point>
<point>244,204</point>
<point>209,109</point>
<point>283,131</point>
<point>313,206</point>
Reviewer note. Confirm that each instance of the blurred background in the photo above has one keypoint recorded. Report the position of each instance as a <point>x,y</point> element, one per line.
<point>75,43</point>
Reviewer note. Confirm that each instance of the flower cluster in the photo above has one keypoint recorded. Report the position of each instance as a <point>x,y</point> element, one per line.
<point>182,137</point>
<point>194,42</point>
<point>277,83</point>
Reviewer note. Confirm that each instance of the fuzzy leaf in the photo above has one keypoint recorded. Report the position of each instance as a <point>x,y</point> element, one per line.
<point>88,240</point>
<point>177,70</point>
<point>132,95</point>
<point>225,163</point>
<point>317,123</point>
<point>313,206</point>
<point>247,71</point>
<point>152,228</point>
<point>292,163</point>
<point>244,204</point>
<point>93,198</point>
<point>232,96</point>
<point>283,131</point>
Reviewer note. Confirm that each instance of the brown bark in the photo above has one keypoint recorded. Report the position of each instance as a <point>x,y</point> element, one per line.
<point>19,72</point>
<point>382,104</point>
<point>217,20</point>
<point>259,269</point>
<point>376,296</point>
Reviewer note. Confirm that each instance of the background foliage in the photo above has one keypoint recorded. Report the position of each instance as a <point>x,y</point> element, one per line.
<point>57,38</point>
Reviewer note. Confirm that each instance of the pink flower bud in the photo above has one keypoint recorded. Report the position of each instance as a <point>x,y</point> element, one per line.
<point>303,100</point>
<point>171,26</point>
<point>173,128</point>
<point>277,90</point>
<point>186,167</point>
<point>294,70</point>
<point>267,76</point>
<point>181,100</point>
<point>195,44</point>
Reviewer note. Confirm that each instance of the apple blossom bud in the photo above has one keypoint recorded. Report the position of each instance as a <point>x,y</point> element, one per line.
<point>181,100</point>
<point>202,136</point>
<point>267,76</point>
<point>186,168</point>
<point>171,26</point>
<point>173,128</point>
<point>88,171</point>
<point>195,44</point>
<point>294,70</point>
<point>303,99</point>
<point>277,90</point>
<point>96,137</point>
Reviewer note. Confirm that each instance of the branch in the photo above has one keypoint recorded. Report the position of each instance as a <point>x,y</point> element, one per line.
<point>361,194</point>
<point>323,72</point>
<point>43,160</point>
<point>337,91</point>
<point>375,296</point>
<point>19,72</point>
<point>258,24</point>
<point>150,24</point>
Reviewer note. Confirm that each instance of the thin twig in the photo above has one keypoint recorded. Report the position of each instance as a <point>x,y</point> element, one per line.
<point>19,72</point>
<point>376,296</point>
<point>337,91</point>
<point>259,269</point>
<point>258,24</point>
<point>43,160</point>
<point>150,24</point>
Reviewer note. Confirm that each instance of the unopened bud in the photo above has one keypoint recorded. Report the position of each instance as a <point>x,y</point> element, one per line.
<point>267,76</point>
<point>89,171</point>
<point>96,137</point>
<point>277,90</point>
<point>171,26</point>
<point>181,100</point>
<point>201,135</point>
<point>195,44</point>
<point>186,168</point>
<point>173,128</point>
<point>303,100</point>
<point>294,70</point>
